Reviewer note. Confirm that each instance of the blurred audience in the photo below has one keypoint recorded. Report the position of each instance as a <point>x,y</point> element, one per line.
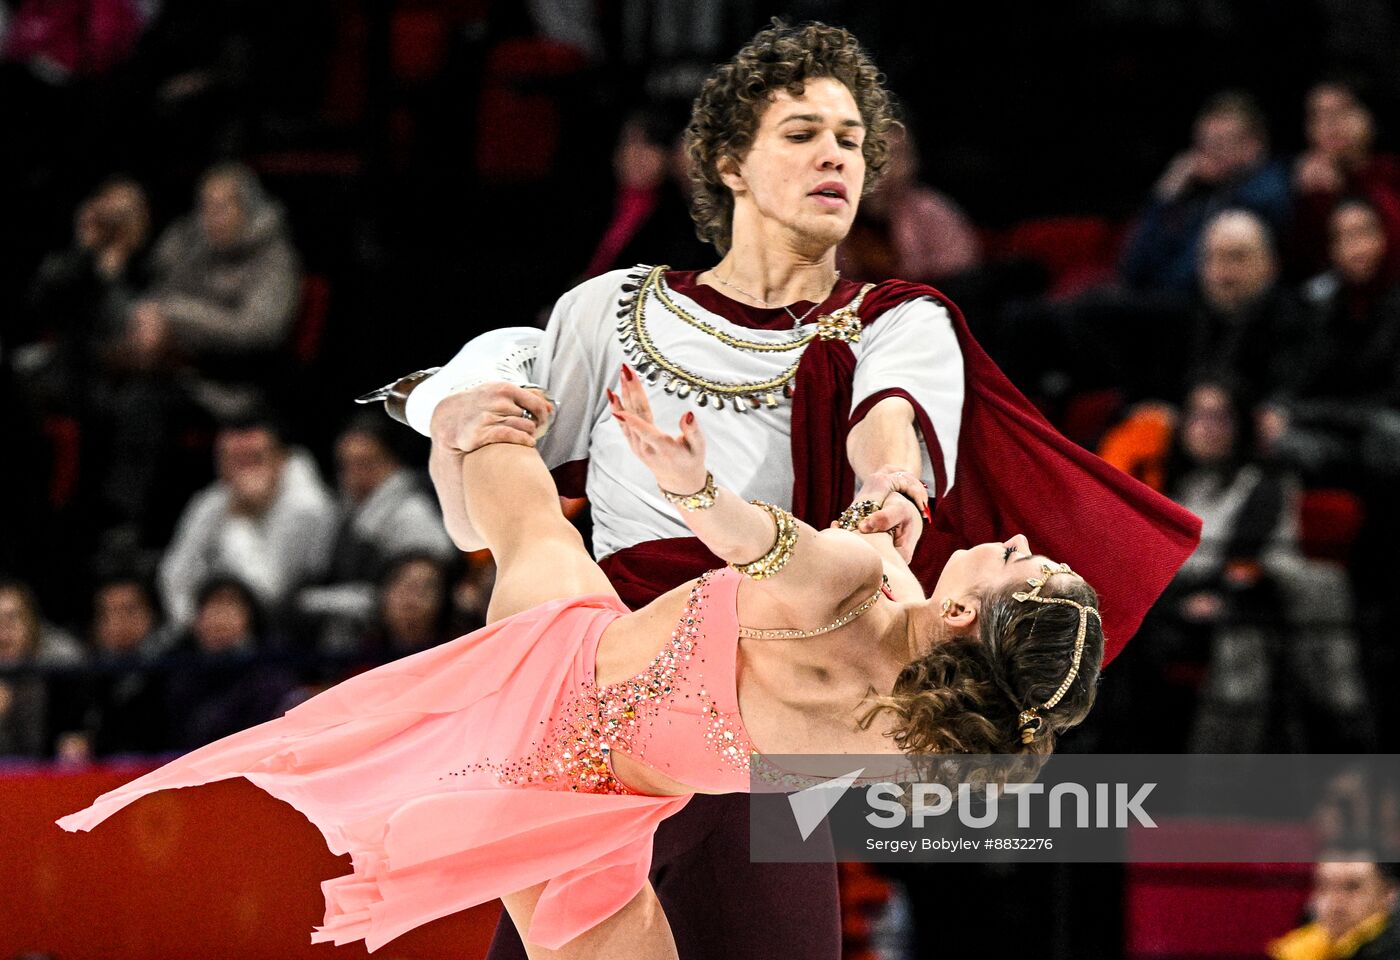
<point>219,684</point>
<point>415,609</point>
<point>651,205</point>
<point>1353,905</point>
<point>80,297</point>
<point>384,513</point>
<point>125,699</point>
<point>225,284</point>
<point>1343,419</point>
<point>1246,322</point>
<point>1227,165</point>
<point>907,229</point>
<point>268,520</point>
<point>1340,160</point>
<point>35,707</point>
<point>1274,631</point>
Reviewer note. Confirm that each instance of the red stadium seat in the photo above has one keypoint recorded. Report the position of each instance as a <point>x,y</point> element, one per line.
<point>310,325</point>
<point>1329,523</point>
<point>1079,252</point>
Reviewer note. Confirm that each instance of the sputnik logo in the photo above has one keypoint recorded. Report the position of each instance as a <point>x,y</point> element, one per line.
<point>811,805</point>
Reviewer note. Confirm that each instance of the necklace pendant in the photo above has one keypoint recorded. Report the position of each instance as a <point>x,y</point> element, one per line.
<point>740,406</point>
<point>789,390</point>
<point>683,390</point>
<point>703,399</point>
<point>671,384</point>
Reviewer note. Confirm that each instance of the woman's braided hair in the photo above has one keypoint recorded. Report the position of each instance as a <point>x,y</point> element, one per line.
<point>966,694</point>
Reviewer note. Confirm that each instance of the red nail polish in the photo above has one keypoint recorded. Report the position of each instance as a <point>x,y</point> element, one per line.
<point>927,516</point>
<point>613,397</point>
<point>689,417</point>
<point>627,373</point>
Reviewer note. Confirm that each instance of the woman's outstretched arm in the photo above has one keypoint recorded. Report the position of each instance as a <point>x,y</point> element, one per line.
<point>825,571</point>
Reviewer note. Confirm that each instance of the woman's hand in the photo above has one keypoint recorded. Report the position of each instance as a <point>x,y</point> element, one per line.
<point>677,462</point>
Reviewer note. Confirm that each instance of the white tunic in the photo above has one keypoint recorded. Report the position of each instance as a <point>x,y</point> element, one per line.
<point>911,347</point>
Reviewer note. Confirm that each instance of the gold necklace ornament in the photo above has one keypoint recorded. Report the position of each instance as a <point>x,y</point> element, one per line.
<point>647,284</point>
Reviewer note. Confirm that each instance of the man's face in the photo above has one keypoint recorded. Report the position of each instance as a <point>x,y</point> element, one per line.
<point>122,618</point>
<point>1337,124</point>
<point>250,463</point>
<point>1224,147</point>
<point>220,212</point>
<point>1237,266</point>
<point>363,465</point>
<point>1346,893</point>
<point>1358,243</point>
<point>804,172</point>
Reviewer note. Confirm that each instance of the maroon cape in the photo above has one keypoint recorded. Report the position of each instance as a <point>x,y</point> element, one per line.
<point>1015,473</point>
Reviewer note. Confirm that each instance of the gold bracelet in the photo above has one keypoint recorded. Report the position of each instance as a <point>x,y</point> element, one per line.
<point>852,516</point>
<point>783,542</point>
<point>702,499</point>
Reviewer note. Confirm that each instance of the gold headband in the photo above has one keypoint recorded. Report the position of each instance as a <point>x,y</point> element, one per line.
<point>1030,720</point>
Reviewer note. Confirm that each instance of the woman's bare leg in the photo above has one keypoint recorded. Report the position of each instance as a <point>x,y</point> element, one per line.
<point>638,931</point>
<point>511,500</point>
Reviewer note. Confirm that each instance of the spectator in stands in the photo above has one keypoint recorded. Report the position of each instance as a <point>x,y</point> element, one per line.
<point>1276,630</point>
<point>125,704</point>
<point>1354,909</point>
<point>225,283</point>
<point>1343,419</point>
<point>1340,160</point>
<point>1245,320</point>
<point>384,513</point>
<point>34,708</point>
<point>219,684</point>
<point>80,297</point>
<point>1227,165</point>
<point>906,228</point>
<point>415,608</point>
<point>268,520</point>
<point>651,206</point>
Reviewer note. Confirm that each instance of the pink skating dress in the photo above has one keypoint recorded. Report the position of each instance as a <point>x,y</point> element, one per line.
<point>483,766</point>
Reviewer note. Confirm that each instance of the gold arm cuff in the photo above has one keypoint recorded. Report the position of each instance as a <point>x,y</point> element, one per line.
<point>702,499</point>
<point>783,542</point>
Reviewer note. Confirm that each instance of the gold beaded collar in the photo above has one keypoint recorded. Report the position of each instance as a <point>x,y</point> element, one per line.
<point>791,633</point>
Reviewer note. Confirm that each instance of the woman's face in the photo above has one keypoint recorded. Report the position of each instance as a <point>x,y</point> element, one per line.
<point>1209,431</point>
<point>804,172</point>
<point>986,568</point>
<point>1358,243</point>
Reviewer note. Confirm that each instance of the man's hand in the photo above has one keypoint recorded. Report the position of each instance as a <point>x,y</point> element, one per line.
<point>903,498</point>
<point>488,413</point>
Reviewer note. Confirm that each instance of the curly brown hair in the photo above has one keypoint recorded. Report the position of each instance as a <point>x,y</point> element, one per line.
<point>966,694</point>
<point>725,115</point>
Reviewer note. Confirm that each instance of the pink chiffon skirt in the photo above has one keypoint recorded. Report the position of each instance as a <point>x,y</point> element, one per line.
<point>401,768</point>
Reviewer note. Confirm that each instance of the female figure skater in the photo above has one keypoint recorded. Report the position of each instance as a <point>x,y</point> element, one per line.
<point>532,759</point>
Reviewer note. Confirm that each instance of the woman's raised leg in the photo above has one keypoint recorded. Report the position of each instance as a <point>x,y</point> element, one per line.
<point>506,492</point>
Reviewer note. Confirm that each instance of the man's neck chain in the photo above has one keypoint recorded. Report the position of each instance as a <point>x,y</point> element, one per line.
<point>796,320</point>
